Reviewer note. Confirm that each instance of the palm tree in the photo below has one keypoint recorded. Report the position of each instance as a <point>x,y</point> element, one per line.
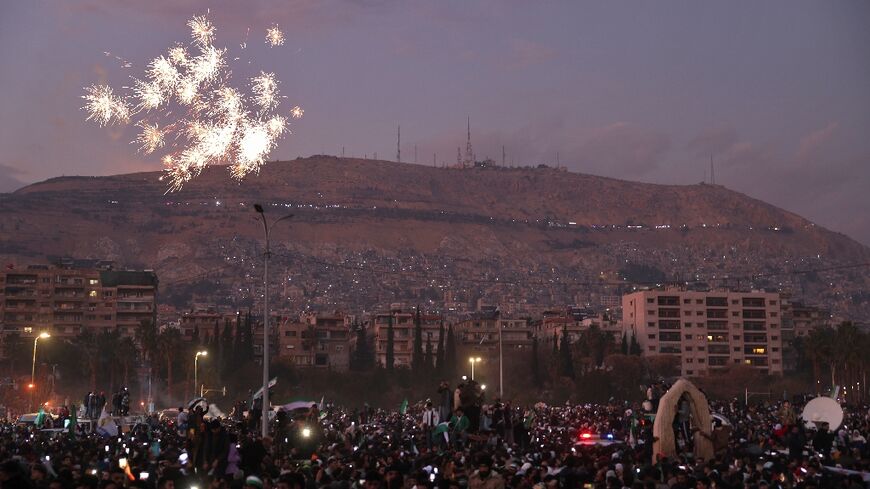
<point>169,341</point>
<point>89,346</point>
<point>817,347</point>
<point>126,354</point>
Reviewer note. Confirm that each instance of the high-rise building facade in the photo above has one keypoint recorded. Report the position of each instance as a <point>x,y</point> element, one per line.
<point>708,330</point>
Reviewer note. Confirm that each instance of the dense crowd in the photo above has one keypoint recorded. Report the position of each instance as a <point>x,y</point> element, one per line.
<point>454,440</point>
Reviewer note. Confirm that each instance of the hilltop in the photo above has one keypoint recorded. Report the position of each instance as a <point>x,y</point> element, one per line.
<point>570,234</point>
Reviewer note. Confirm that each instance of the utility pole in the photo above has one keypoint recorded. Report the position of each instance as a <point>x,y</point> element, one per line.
<point>502,155</point>
<point>399,145</point>
<point>415,153</point>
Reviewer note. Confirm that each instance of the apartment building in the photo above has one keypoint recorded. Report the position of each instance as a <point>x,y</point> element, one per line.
<point>403,334</point>
<point>708,330</point>
<point>316,340</point>
<point>481,333</point>
<point>68,297</point>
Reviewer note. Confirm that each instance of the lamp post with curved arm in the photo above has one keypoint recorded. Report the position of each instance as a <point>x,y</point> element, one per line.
<point>266,232</point>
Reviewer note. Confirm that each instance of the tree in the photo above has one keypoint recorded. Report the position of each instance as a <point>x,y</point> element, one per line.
<point>417,354</point>
<point>391,354</point>
<point>536,366</point>
<point>450,354</point>
<point>146,338</point>
<point>171,343</point>
<point>567,360</point>
<point>439,355</point>
<point>87,343</point>
<point>634,347</point>
<point>363,355</point>
<point>126,353</point>
<point>427,356</point>
<point>623,347</point>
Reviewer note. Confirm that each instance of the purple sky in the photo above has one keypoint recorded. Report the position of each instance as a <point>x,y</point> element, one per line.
<point>777,91</point>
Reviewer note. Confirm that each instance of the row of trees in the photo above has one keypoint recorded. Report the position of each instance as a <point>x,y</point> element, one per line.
<point>838,354</point>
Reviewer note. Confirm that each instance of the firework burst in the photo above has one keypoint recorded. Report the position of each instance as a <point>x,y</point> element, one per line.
<point>205,120</point>
<point>104,106</point>
<point>274,36</point>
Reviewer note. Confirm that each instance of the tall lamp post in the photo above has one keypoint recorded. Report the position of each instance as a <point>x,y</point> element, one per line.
<point>472,361</point>
<point>195,371</point>
<point>32,385</point>
<point>266,231</point>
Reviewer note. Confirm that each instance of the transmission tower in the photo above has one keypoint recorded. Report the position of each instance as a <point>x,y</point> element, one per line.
<point>469,153</point>
<point>399,144</point>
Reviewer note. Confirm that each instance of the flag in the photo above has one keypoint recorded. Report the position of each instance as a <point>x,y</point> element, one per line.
<point>73,423</point>
<point>404,407</point>
<point>40,418</point>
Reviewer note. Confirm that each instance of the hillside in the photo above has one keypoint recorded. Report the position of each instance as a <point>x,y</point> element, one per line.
<point>366,232</point>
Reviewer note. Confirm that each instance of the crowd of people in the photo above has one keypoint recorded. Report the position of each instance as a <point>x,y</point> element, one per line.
<point>453,440</point>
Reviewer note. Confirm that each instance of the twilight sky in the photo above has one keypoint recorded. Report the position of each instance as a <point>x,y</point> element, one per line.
<point>777,91</point>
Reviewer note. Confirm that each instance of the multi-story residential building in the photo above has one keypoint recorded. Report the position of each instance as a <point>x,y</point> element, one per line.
<point>403,334</point>
<point>798,320</point>
<point>708,330</point>
<point>316,340</point>
<point>481,333</point>
<point>574,321</point>
<point>69,297</point>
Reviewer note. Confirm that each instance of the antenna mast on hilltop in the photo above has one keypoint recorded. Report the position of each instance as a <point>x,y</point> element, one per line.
<point>399,145</point>
<point>712,172</point>
<point>469,154</point>
<point>502,155</point>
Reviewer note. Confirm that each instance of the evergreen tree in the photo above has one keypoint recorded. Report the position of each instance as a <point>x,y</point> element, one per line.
<point>427,357</point>
<point>450,354</point>
<point>215,339</point>
<point>238,342</point>
<point>391,355</point>
<point>226,348</point>
<point>195,340</point>
<point>536,366</point>
<point>555,344</point>
<point>634,349</point>
<point>567,362</point>
<point>363,355</point>
<point>624,344</point>
<point>439,355</point>
<point>417,354</point>
<point>248,338</point>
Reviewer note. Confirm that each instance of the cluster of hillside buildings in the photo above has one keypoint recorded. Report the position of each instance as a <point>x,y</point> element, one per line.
<point>705,329</point>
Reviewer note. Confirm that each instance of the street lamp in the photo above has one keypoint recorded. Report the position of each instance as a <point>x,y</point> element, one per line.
<point>32,385</point>
<point>195,362</point>
<point>472,361</point>
<point>266,256</point>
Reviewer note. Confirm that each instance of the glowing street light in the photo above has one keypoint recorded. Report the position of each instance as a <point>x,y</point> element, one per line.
<point>195,362</point>
<point>32,385</point>
<point>472,361</point>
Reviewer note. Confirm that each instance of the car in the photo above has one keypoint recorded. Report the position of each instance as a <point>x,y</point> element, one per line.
<point>31,418</point>
<point>586,438</point>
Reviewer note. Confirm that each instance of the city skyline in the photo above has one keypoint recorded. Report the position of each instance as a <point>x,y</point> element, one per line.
<point>775,95</point>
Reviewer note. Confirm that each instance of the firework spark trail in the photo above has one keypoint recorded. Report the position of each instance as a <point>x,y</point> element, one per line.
<point>217,123</point>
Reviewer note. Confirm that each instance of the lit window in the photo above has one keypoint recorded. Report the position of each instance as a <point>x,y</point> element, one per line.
<point>28,329</point>
<point>92,293</point>
<point>758,351</point>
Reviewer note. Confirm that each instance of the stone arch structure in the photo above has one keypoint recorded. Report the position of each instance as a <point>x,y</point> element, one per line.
<point>663,425</point>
